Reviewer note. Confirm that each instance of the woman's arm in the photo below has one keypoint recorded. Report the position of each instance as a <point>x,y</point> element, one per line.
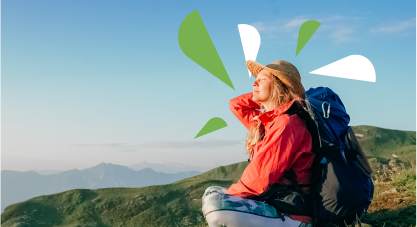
<point>276,155</point>
<point>245,109</point>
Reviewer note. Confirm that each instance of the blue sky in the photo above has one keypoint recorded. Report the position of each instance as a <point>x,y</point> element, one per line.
<point>85,82</point>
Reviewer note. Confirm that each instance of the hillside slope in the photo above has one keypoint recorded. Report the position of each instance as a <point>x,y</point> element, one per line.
<point>383,143</point>
<point>176,204</point>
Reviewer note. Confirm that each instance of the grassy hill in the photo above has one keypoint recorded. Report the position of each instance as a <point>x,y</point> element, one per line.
<point>382,143</point>
<point>176,204</point>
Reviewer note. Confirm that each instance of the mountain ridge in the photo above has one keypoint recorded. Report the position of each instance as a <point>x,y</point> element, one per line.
<point>19,186</point>
<point>167,167</point>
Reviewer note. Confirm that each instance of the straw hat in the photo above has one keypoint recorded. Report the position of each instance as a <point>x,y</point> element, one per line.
<point>285,71</point>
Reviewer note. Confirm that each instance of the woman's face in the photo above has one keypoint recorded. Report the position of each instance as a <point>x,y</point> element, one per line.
<point>262,87</point>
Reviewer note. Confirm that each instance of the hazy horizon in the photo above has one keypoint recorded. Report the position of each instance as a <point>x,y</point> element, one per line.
<point>129,166</point>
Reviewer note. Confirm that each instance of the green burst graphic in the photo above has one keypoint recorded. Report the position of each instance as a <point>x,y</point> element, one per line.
<point>212,125</point>
<point>196,44</point>
<point>307,30</point>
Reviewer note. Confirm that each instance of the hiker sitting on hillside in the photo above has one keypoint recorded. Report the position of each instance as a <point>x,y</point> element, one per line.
<point>276,143</point>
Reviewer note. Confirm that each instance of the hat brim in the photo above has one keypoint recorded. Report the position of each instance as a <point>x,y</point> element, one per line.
<point>254,67</point>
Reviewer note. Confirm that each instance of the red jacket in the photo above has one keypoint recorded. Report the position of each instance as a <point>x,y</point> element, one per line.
<point>286,145</point>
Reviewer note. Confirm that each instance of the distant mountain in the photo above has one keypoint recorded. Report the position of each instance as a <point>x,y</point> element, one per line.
<point>20,186</point>
<point>47,171</point>
<point>170,167</point>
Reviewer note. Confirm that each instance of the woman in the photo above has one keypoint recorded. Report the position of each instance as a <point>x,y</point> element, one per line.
<point>276,142</point>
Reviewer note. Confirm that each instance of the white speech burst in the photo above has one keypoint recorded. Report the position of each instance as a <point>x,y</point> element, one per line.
<point>251,40</point>
<point>355,67</point>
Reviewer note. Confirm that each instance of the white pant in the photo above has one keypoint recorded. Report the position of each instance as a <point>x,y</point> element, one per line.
<point>238,219</point>
<point>222,209</point>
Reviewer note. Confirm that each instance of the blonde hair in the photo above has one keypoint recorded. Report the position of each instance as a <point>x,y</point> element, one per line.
<point>280,94</point>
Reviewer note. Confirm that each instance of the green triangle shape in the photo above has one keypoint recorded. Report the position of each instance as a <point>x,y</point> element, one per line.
<point>212,125</point>
<point>307,30</point>
<point>195,43</point>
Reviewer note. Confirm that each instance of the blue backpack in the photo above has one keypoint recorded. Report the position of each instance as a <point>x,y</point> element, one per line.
<point>342,188</point>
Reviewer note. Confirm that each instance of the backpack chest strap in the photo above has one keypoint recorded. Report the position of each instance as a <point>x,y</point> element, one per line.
<point>336,154</point>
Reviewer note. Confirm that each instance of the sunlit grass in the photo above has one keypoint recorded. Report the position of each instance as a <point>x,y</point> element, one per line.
<point>397,208</point>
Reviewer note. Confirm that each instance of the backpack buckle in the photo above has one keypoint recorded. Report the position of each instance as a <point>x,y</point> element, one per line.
<point>328,109</point>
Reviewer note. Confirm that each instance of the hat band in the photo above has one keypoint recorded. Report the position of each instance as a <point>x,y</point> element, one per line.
<point>273,66</point>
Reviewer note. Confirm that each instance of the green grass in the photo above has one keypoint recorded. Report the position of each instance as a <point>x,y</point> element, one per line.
<point>405,180</point>
<point>395,209</point>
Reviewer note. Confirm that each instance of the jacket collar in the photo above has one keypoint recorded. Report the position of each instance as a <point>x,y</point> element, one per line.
<point>279,110</point>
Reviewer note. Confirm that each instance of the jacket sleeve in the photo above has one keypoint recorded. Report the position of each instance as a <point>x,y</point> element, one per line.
<point>273,158</point>
<point>245,109</point>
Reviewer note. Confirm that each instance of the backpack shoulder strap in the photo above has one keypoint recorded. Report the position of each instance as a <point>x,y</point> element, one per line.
<point>310,124</point>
